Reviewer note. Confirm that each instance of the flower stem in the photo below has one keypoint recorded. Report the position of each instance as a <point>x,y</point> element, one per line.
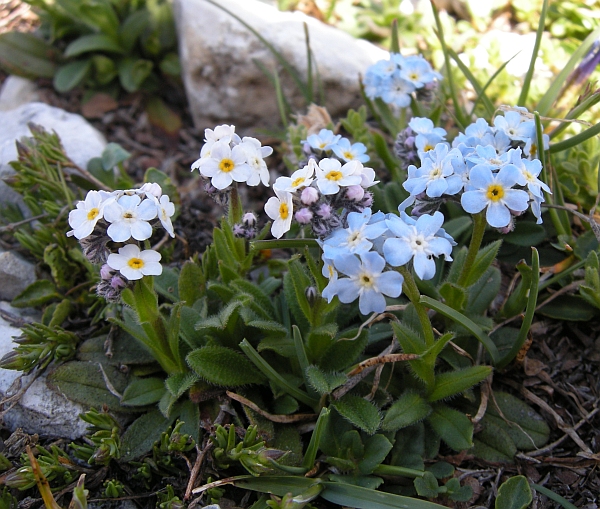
<point>479,223</point>
<point>412,292</point>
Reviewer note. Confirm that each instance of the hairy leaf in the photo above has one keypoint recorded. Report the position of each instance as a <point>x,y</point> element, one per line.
<point>223,366</point>
<point>452,426</point>
<point>360,412</point>
<point>455,382</point>
<point>409,409</point>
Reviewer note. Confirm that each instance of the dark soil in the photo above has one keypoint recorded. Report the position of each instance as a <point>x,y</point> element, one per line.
<point>559,376</point>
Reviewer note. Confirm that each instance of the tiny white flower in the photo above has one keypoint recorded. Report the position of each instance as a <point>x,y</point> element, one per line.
<point>280,209</point>
<point>166,209</point>
<point>134,264</point>
<point>300,178</point>
<point>84,218</point>
<point>152,189</point>
<point>226,165</point>
<point>129,218</point>
<point>255,154</point>
<point>222,132</point>
<point>331,175</point>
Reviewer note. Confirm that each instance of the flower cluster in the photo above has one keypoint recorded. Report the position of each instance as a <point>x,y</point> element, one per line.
<point>395,80</point>
<point>491,168</point>
<point>371,242</point>
<point>225,158</point>
<point>124,217</point>
<point>332,183</point>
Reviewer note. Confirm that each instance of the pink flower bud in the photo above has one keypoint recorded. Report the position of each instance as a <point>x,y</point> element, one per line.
<point>355,193</point>
<point>309,196</point>
<point>324,211</point>
<point>249,219</point>
<point>105,271</point>
<point>303,216</point>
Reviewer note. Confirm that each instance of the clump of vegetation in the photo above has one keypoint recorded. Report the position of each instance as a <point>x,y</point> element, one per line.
<point>336,361</point>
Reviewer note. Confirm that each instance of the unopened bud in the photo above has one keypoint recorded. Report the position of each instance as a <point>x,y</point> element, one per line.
<point>309,196</point>
<point>303,216</point>
<point>249,219</point>
<point>311,295</point>
<point>355,193</point>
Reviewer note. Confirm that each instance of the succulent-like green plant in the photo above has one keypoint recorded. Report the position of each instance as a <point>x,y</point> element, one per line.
<point>96,44</point>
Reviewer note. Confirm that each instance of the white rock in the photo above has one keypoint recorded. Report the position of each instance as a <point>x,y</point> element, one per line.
<point>16,274</point>
<point>40,410</point>
<point>223,83</point>
<point>17,91</point>
<point>79,138</point>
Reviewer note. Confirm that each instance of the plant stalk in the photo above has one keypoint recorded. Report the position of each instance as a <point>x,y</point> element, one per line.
<point>479,223</point>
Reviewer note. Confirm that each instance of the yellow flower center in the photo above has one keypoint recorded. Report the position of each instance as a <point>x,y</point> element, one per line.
<point>93,213</point>
<point>348,155</point>
<point>284,211</point>
<point>428,147</point>
<point>414,76</point>
<point>366,280</point>
<point>127,215</point>
<point>495,192</point>
<point>136,263</point>
<point>297,181</point>
<point>334,175</point>
<point>226,165</point>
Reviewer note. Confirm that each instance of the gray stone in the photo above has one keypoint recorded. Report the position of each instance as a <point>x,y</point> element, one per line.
<point>17,91</point>
<point>16,274</point>
<point>39,410</point>
<point>79,138</point>
<point>223,83</point>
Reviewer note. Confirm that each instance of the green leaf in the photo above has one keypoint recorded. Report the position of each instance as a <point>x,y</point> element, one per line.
<point>344,352</point>
<point>223,366</point>
<point>38,293</point>
<point>483,260</point>
<point>178,383</point>
<point>139,437</point>
<point>483,292</point>
<point>427,486</point>
<point>514,493</point>
<point>526,428</point>
<point>133,73</point>
<point>143,391</point>
<point>112,155</point>
<point>553,496</point>
<point>301,282</point>
<point>526,234</point>
<point>310,456</point>
<point>569,308</point>
<point>92,43</point>
<point>466,323</point>
<point>161,116</point>
<point>360,412</point>
<point>324,382</point>
<point>191,283</point>
<point>363,498</point>
<point>452,383</point>
<point>409,409</point>
<point>167,284</point>
<point>27,55</point>
<point>411,342</point>
<point>84,383</point>
<point>493,444</point>
<point>453,427</point>
<point>132,27</point>
<point>454,295</point>
<point>71,75</point>
<point>377,448</point>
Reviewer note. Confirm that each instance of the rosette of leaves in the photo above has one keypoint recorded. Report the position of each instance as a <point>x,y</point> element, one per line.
<point>96,44</point>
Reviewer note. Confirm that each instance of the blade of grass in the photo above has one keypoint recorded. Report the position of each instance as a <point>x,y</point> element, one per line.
<point>489,82</point>
<point>309,66</point>
<point>575,112</point>
<point>467,323</point>
<point>280,58</point>
<point>552,93</point>
<point>490,108</point>
<point>575,140</point>
<point>275,377</point>
<point>560,220</point>
<point>553,496</point>
<point>440,34</point>
<point>536,48</point>
<point>315,439</point>
<point>395,43</point>
<point>349,495</point>
<point>529,310</point>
